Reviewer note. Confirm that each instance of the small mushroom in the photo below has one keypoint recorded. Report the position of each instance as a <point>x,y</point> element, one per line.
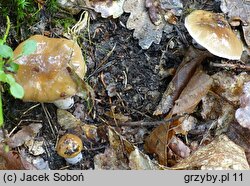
<point>69,147</point>
<point>213,32</point>
<point>45,75</point>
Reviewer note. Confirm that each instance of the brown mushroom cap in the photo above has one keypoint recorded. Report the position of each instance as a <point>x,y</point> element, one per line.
<point>43,74</point>
<point>213,32</point>
<point>69,146</point>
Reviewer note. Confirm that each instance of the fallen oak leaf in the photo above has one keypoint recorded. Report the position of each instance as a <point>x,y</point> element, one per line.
<point>144,30</point>
<point>107,7</point>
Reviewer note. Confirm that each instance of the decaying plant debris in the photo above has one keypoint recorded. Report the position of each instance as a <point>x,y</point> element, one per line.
<point>152,97</point>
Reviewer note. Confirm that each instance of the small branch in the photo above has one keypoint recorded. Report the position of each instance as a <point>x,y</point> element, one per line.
<point>147,123</point>
<point>231,66</point>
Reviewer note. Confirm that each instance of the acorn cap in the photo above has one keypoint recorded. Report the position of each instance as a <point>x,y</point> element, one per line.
<point>69,146</point>
<point>44,74</point>
<point>213,32</point>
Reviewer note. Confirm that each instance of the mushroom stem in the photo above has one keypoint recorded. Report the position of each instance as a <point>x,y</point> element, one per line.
<point>65,103</point>
<point>75,159</point>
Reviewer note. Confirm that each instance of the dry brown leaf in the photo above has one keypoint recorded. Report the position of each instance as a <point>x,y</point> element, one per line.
<point>90,132</point>
<point>185,71</point>
<point>158,140</point>
<point>118,116</point>
<point>25,134</point>
<point>220,154</point>
<point>229,85</point>
<point>179,148</point>
<point>109,161</point>
<point>211,106</point>
<point>12,160</point>
<point>140,161</point>
<point>154,11</point>
<point>66,120</point>
<point>122,153</point>
<point>192,94</point>
<point>239,135</point>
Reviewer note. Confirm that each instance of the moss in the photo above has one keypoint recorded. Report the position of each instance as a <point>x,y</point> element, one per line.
<point>20,11</point>
<point>65,22</point>
<point>52,6</point>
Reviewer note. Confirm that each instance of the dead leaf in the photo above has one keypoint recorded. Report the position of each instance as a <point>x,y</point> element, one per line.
<point>241,9</point>
<point>211,106</point>
<point>118,116</point>
<point>144,29</point>
<point>25,134</point>
<point>236,8</point>
<point>154,11</point>
<point>109,161</point>
<point>220,154</point>
<point>179,148</point>
<point>73,6</point>
<point>192,94</point>
<point>239,135</point>
<point>13,161</point>
<point>122,153</point>
<point>140,161</point>
<point>66,120</point>
<point>246,31</point>
<point>90,132</point>
<point>229,85</point>
<point>219,111</point>
<point>185,71</point>
<point>38,162</point>
<point>242,114</point>
<point>107,7</point>
<point>158,140</point>
<point>35,147</point>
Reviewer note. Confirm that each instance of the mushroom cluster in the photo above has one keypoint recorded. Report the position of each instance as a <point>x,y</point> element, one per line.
<point>213,32</point>
<point>45,75</point>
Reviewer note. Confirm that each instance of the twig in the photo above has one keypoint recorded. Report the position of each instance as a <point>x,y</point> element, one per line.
<point>231,66</point>
<point>29,109</point>
<point>147,123</point>
<point>48,118</point>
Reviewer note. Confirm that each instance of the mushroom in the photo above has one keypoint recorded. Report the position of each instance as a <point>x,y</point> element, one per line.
<point>45,74</point>
<point>213,32</point>
<point>69,147</point>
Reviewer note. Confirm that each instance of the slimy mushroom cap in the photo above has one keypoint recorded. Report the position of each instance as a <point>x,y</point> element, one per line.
<point>213,32</point>
<point>69,146</point>
<point>44,74</point>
